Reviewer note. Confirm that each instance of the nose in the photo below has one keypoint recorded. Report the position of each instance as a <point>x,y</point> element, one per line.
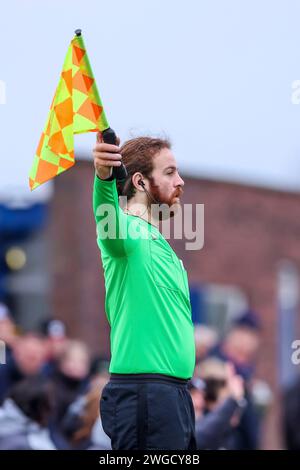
<point>179,180</point>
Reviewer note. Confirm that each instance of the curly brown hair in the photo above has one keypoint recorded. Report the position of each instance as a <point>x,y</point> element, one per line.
<point>137,156</point>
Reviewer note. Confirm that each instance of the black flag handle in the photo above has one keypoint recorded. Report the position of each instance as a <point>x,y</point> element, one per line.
<point>109,137</point>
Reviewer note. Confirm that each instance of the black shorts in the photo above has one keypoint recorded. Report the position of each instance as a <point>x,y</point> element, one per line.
<point>148,411</point>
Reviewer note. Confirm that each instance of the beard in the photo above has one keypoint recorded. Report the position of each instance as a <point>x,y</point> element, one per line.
<point>165,206</point>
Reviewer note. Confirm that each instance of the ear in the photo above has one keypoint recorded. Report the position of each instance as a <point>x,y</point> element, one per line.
<point>136,179</point>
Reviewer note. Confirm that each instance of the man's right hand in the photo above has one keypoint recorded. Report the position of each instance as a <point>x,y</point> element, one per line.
<point>106,156</point>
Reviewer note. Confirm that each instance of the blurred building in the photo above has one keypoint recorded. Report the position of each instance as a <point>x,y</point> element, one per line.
<point>24,275</point>
<point>251,258</point>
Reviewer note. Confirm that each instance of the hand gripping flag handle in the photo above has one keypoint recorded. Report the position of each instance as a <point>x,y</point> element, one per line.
<point>109,137</point>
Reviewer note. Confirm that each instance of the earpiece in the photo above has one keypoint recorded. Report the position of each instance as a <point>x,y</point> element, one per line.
<point>141,183</point>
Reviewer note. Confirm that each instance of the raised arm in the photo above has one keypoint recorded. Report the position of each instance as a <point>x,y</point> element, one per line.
<point>112,223</point>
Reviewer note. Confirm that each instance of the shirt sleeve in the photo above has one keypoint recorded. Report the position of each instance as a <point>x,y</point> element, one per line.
<point>113,234</point>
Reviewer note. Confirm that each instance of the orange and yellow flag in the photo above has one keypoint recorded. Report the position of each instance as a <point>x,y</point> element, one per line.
<point>76,108</point>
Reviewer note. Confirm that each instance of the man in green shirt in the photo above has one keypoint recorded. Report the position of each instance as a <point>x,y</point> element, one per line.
<point>146,404</point>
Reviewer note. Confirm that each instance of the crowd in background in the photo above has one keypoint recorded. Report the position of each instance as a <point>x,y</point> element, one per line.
<point>50,388</point>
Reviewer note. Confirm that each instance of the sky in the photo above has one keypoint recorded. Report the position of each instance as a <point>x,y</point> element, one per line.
<point>216,76</point>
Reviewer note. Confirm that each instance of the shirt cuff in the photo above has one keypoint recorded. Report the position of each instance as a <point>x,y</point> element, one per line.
<point>111,177</point>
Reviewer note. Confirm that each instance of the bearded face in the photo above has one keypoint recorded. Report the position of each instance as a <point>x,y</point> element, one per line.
<point>165,195</point>
<point>168,201</point>
<point>165,186</point>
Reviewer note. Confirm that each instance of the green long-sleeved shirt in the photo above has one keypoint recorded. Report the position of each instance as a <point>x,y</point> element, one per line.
<point>147,297</point>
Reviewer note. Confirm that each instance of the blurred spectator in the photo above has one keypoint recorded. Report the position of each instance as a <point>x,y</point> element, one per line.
<point>196,387</point>
<point>82,421</point>
<point>206,338</point>
<point>241,346</point>
<point>56,342</point>
<point>100,365</point>
<point>7,328</point>
<point>70,380</point>
<point>74,362</point>
<point>222,394</point>
<point>28,358</point>
<point>291,416</point>
<point>24,417</point>
<point>55,334</point>
<point>30,354</point>
<point>262,396</point>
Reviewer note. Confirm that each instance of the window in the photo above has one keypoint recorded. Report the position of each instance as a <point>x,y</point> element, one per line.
<point>217,305</point>
<point>288,310</point>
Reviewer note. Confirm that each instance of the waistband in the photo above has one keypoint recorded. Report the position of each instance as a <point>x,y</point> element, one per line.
<point>138,378</point>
